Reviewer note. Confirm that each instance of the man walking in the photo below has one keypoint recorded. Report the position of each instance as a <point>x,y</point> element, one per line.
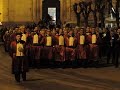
<point>19,63</point>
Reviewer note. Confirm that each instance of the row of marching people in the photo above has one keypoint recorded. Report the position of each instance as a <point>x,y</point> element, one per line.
<point>78,45</point>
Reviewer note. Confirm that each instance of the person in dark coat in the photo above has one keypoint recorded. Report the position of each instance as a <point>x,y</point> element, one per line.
<point>117,49</point>
<point>105,36</point>
<point>111,45</point>
<point>19,63</point>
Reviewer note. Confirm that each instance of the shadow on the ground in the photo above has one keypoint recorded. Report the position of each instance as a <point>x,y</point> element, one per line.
<point>64,65</point>
<point>34,80</point>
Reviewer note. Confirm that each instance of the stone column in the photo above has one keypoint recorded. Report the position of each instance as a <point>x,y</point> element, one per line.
<point>34,10</point>
<point>68,9</point>
<point>64,11</point>
<point>40,8</point>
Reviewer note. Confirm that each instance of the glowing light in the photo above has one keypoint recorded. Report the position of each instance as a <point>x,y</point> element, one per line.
<point>0,23</point>
<point>113,10</point>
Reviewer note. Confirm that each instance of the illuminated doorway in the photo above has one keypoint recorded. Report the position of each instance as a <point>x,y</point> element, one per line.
<point>52,13</point>
<point>51,7</point>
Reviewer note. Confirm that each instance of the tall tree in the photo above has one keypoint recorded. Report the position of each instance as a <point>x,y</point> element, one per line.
<point>85,12</point>
<point>77,10</point>
<point>101,10</point>
<point>93,9</point>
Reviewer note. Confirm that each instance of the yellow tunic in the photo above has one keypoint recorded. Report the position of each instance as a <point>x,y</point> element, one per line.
<point>23,37</point>
<point>71,41</point>
<point>94,38</point>
<point>61,40</point>
<point>19,46</point>
<point>35,39</point>
<point>49,41</point>
<point>82,39</point>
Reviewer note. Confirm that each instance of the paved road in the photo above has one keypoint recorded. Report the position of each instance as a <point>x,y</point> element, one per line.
<point>106,78</point>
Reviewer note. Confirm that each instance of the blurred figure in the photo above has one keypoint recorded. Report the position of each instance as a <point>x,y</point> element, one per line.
<point>6,41</point>
<point>81,48</point>
<point>117,48</point>
<point>19,62</point>
<point>111,46</point>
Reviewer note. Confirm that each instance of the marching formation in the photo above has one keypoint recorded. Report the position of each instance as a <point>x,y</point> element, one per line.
<point>60,47</point>
<point>68,44</point>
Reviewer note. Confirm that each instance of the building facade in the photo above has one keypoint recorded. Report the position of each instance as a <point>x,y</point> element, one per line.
<point>22,11</point>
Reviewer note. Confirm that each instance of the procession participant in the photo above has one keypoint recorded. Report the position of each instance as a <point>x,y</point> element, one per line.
<point>12,37</point>
<point>76,34</point>
<point>42,35</point>
<point>53,32</point>
<point>99,42</point>
<point>100,34</point>
<point>94,50</point>
<point>59,52</point>
<point>6,40</point>
<point>81,48</point>
<point>112,44</point>
<point>71,44</point>
<point>35,48</point>
<point>29,41</point>
<point>88,34</point>
<point>88,41</point>
<point>48,48</point>
<point>117,49</point>
<point>19,62</point>
<point>105,41</point>
<point>58,29</point>
<point>24,34</point>
<point>65,34</point>
<point>37,29</point>
<point>54,35</point>
<point>13,34</point>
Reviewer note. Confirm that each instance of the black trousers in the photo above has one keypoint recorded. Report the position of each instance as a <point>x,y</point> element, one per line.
<point>117,56</point>
<point>103,49</point>
<point>111,53</point>
<point>18,76</point>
